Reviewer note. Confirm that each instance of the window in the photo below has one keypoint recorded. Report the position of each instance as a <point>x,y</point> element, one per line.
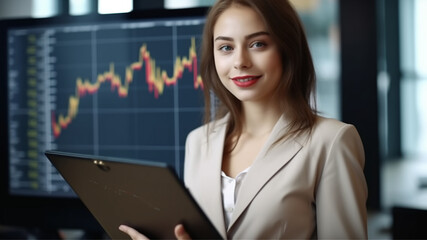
<point>413,37</point>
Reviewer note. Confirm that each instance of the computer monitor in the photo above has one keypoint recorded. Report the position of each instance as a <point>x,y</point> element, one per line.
<point>122,85</point>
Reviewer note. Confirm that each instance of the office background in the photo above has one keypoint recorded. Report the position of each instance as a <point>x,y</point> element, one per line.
<point>370,57</point>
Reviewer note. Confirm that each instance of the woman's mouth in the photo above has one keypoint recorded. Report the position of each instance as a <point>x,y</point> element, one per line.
<point>245,81</point>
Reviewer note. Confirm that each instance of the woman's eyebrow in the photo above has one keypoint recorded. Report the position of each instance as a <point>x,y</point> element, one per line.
<point>256,34</point>
<point>223,38</point>
<point>252,35</point>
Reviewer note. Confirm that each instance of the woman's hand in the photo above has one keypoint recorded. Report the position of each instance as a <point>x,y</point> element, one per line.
<point>180,233</point>
<point>135,235</point>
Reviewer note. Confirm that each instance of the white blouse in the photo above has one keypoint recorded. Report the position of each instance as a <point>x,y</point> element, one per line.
<point>230,190</point>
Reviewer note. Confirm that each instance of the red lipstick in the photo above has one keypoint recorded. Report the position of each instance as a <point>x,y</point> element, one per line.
<point>245,81</point>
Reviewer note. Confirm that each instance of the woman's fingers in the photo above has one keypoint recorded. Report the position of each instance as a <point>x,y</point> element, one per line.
<point>135,235</point>
<point>180,232</point>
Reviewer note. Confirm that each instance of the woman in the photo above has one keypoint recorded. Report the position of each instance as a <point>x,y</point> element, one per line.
<point>267,166</point>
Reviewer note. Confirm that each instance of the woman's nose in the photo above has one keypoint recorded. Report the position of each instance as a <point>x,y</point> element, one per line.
<point>242,59</point>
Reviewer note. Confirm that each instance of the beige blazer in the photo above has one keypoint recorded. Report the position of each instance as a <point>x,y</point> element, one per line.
<point>302,188</point>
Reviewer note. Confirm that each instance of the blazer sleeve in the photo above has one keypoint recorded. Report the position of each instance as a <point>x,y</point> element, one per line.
<point>342,191</point>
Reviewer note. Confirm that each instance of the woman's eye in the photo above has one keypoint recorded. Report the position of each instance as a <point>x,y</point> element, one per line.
<point>225,48</point>
<point>258,44</point>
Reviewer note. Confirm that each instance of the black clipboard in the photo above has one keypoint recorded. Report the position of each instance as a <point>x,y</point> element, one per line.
<point>145,195</point>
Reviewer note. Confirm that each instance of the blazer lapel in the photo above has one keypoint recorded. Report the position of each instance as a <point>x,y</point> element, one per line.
<point>267,163</point>
<point>213,193</point>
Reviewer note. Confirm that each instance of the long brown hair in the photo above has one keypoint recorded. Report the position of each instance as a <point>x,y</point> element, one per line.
<point>298,81</point>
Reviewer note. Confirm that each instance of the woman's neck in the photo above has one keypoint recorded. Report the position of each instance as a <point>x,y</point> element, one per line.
<point>259,119</point>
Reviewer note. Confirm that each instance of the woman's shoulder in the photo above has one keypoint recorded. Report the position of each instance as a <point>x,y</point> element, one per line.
<point>208,128</point>
<point>328,123</point>
<point>325,123</point>
<point>337,138</point>
<point>332,128</point>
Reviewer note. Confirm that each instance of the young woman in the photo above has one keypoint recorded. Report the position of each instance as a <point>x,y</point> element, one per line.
<point>265,165</point>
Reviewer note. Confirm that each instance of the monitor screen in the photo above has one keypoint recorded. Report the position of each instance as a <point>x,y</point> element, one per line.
<point>124,85</point>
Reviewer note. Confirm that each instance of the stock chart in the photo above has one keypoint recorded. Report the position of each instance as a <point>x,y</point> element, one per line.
<point>123,89</point>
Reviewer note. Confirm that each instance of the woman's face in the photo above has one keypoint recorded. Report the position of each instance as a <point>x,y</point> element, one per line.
<point>246,58</point>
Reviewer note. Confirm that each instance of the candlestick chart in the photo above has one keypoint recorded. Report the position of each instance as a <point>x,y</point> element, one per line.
<point>156,80</point>
<point>120,89</point>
